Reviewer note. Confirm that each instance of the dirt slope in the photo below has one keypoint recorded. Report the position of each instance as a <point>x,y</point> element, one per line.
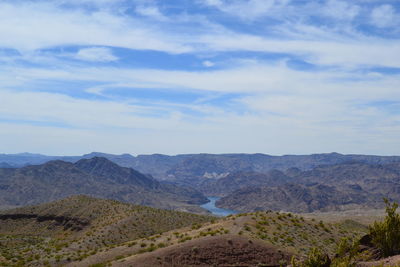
<point>227,250</point>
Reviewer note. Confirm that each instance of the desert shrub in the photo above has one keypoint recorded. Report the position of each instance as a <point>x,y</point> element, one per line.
<point>161,245</point>
<point>385,235</point>
<point>346,251</point>
<point>131,244</point>
<point>98,265</point>
<point>316,258</point>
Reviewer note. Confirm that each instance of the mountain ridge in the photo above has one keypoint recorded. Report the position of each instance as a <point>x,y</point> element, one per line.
<point>97,177</point>
<point>360,184</point>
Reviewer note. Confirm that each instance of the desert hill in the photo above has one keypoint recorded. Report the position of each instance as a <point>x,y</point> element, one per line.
<point>73,228</point>
<point>224,250</point>
<point>85,231</point>
<point>343,186</point>
<point>280,234</point>
<point>97,177</point>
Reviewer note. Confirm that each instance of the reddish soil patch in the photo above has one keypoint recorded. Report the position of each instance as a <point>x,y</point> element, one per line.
<point>391,261</point>
<point>224,251</point>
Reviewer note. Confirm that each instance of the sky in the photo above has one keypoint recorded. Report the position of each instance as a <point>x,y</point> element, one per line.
<point>200,76</point>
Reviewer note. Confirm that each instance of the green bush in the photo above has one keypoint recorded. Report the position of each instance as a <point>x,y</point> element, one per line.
<point>386,235</point>
<point>316,258</point>
<point>346,252</point>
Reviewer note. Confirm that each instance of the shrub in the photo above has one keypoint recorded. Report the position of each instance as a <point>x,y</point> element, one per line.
<point>316,258</point>
<point>346,251</point>
<point>386,235</point>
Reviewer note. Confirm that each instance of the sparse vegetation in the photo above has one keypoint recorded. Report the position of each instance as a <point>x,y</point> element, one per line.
<point>117,231</point>
<point>316,258</point>
<point>386,234</point>
<point>108,223</point>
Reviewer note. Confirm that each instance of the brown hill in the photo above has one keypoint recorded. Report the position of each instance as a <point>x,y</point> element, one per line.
<point>288,233</point>
<point>226,250</point>
<point>74,228</point>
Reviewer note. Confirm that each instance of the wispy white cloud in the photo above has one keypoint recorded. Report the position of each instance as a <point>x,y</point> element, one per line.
<point>248,10</point>
<point>96,54</point>
<point>208,63</point>
<point>151,11</point>
<point>384,16</point>
<point>343,10</point>
<point>270,108</point>
<point>31,26</point>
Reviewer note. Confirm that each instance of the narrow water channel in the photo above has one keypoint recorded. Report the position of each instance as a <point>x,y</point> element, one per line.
<point>210,206</point>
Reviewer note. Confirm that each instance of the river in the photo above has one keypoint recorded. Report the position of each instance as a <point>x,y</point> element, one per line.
<point>210,206</point>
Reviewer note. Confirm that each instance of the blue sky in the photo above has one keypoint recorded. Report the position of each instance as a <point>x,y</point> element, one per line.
<point>216,76</point>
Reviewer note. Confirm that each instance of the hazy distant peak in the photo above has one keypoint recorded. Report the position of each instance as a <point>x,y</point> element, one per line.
<point>95,163</point>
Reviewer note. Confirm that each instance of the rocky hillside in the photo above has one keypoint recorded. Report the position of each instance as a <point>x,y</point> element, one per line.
<point>254,239</point>
<point>84,231</point>
<point>77,227</point>
<point>97,177</point>
<point>298,198</point>
<point>232,182</point>
<point>193,169</point>
<point>330,187</point>
<point>223,250</point>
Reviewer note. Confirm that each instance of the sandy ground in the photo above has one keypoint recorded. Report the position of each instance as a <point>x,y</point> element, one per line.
<point>365,217</point>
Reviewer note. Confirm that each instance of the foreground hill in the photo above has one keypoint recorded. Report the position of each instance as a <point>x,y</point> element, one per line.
<point>224,250</point>
<point>253,239</point>
<point>97,177</point>
<point>84,231</point>
<point>76,227</point>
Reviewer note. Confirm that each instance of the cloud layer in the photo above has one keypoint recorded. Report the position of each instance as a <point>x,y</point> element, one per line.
<point>271,76</point>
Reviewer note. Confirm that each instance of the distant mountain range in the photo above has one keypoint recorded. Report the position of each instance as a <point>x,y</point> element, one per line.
<point>324,188</point>
<point>193,169</point>
<point>97,177</point>
<point>246,182</point>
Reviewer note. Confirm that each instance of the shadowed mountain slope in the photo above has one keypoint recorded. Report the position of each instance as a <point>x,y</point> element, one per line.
<point>97,177</point>
<point>324,188</point>
<point>192,169</point>
<point>298,198</point>
<point>232,182</point>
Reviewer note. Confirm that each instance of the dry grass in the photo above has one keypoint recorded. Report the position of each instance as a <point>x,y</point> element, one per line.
<point>88,226</point>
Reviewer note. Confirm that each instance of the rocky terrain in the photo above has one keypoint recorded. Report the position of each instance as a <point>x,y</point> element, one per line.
<point>225,250</point>
<point>85,231</point>
<point>232,182</point>
<point>325,188</point>
<point>298,198</point>
<point>81,231</point>
<point>77,227</point>
<point>97,177</point>
<point>247,182</point>
<point>192,169</point>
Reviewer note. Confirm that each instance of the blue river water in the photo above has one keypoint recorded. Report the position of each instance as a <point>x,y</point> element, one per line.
<point>210,206</point>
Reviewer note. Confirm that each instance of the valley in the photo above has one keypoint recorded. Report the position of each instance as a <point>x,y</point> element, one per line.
<point>210,206</point>
<point>94,212</point>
